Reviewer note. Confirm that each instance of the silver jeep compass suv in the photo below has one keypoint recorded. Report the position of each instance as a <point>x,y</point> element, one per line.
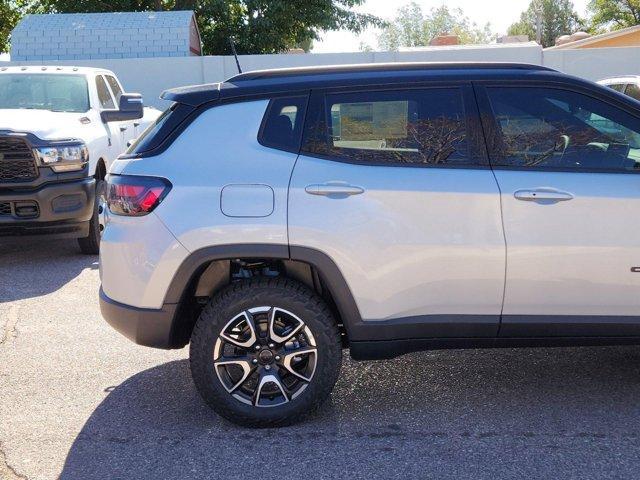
<point>273,219</point>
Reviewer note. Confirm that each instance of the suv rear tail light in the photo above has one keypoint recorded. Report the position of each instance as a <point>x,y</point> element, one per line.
<point>135,195</point>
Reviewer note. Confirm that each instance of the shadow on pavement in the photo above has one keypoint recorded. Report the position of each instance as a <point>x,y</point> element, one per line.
<point>35,267</point>
<point>462,414</point>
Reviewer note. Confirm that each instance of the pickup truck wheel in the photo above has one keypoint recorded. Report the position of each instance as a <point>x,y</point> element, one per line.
<point>90,245</point>
<point>265,352</point>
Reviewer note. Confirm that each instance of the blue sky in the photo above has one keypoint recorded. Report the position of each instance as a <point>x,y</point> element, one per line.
<point>500,14</point>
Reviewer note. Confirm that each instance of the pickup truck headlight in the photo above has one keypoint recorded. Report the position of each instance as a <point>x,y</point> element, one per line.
<point>63,158</point>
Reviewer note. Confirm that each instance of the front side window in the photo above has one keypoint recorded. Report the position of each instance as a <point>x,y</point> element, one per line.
<point>547,128</point>
<point>411,127</point>
<point>104,96</point>
<point>42,91</point>
<point>115,87</point>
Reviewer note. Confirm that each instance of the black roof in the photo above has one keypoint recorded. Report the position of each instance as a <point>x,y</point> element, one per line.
<point>275,81</point>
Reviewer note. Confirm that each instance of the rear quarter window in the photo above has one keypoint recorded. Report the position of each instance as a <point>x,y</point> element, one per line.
<point>282,124</point>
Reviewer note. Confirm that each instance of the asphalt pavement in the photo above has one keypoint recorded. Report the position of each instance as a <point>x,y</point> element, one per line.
<point>78,401</point>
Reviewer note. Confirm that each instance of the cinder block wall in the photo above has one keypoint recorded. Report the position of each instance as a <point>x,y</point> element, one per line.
<point>89,36</point>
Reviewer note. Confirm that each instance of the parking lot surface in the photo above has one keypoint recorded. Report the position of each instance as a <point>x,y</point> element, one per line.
<point>78,401</point>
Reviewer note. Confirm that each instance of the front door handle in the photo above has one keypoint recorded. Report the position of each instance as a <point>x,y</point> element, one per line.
<point>543,195</point>
<point>333,189</point>
<point>123,128</point>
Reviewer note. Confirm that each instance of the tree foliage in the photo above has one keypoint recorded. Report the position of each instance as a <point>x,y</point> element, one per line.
<point>258,26</point>
<point>413,28</point>
<point>272,26</point>
<point>558,18</point>
<point>10,13</point>
<point>614,14</point>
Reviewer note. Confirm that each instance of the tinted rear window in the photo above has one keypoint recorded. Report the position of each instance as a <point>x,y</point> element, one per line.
<point>141,144</point>
<point>282,124</point>
<point>394,127</point>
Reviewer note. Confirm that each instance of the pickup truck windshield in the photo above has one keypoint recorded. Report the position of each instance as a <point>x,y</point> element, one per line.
<point>41,91</point>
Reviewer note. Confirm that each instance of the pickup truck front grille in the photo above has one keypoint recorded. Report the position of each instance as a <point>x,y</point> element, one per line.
<point>5,209</point>
<point>17,163</point>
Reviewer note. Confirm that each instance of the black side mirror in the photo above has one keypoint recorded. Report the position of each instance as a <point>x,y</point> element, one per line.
<point>130,107</point>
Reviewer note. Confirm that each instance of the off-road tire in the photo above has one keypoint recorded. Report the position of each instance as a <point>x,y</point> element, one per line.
<point>241,296</point>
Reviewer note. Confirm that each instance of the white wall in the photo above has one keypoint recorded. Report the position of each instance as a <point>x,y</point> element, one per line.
<point>150,76</point>
<point>595,63</point>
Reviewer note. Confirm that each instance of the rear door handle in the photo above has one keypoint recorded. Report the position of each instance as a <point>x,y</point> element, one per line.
<point>543,195</point>
<point>123,128</point>
<point>333,189</point>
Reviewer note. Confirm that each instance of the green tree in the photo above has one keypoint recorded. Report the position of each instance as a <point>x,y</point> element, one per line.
<point>258,26</point>
<point>10,13</point>
<point>413,28</point>
<point>558,17</point>
<point>306,45</point>
<point>614,14</point>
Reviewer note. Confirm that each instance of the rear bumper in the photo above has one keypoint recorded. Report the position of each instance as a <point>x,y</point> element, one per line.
<point>58,209</point>
<point>144,326</point>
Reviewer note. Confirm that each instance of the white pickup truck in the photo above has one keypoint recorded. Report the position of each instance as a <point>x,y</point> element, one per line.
<point>60,129</point>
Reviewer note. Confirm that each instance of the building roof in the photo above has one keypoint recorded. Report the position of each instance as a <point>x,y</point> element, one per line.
<point>290,80</point>
<point>84,36</point>
<point>111,20</point>
<point>597,38</point>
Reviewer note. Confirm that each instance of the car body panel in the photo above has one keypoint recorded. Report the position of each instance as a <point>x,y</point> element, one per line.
<point>226,153</point>
<point>573,257</point>
<point>569,262</point>
<point>418,241</point>
<point>138,258</point>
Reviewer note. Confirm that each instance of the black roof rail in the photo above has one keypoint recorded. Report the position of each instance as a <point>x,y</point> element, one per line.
<point>376,67</point>
<point>261,82</point>
<point>192,94</point>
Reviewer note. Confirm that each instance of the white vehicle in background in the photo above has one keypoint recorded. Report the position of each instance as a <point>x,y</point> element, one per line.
<point>629,85</point>
<point>60,129</point>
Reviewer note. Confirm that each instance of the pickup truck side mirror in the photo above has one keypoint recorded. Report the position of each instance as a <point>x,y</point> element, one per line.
<point>130,107</point>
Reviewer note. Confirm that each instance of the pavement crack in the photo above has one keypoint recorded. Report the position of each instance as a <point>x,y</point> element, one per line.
<point>7,472</point>
<point>9,330</point>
